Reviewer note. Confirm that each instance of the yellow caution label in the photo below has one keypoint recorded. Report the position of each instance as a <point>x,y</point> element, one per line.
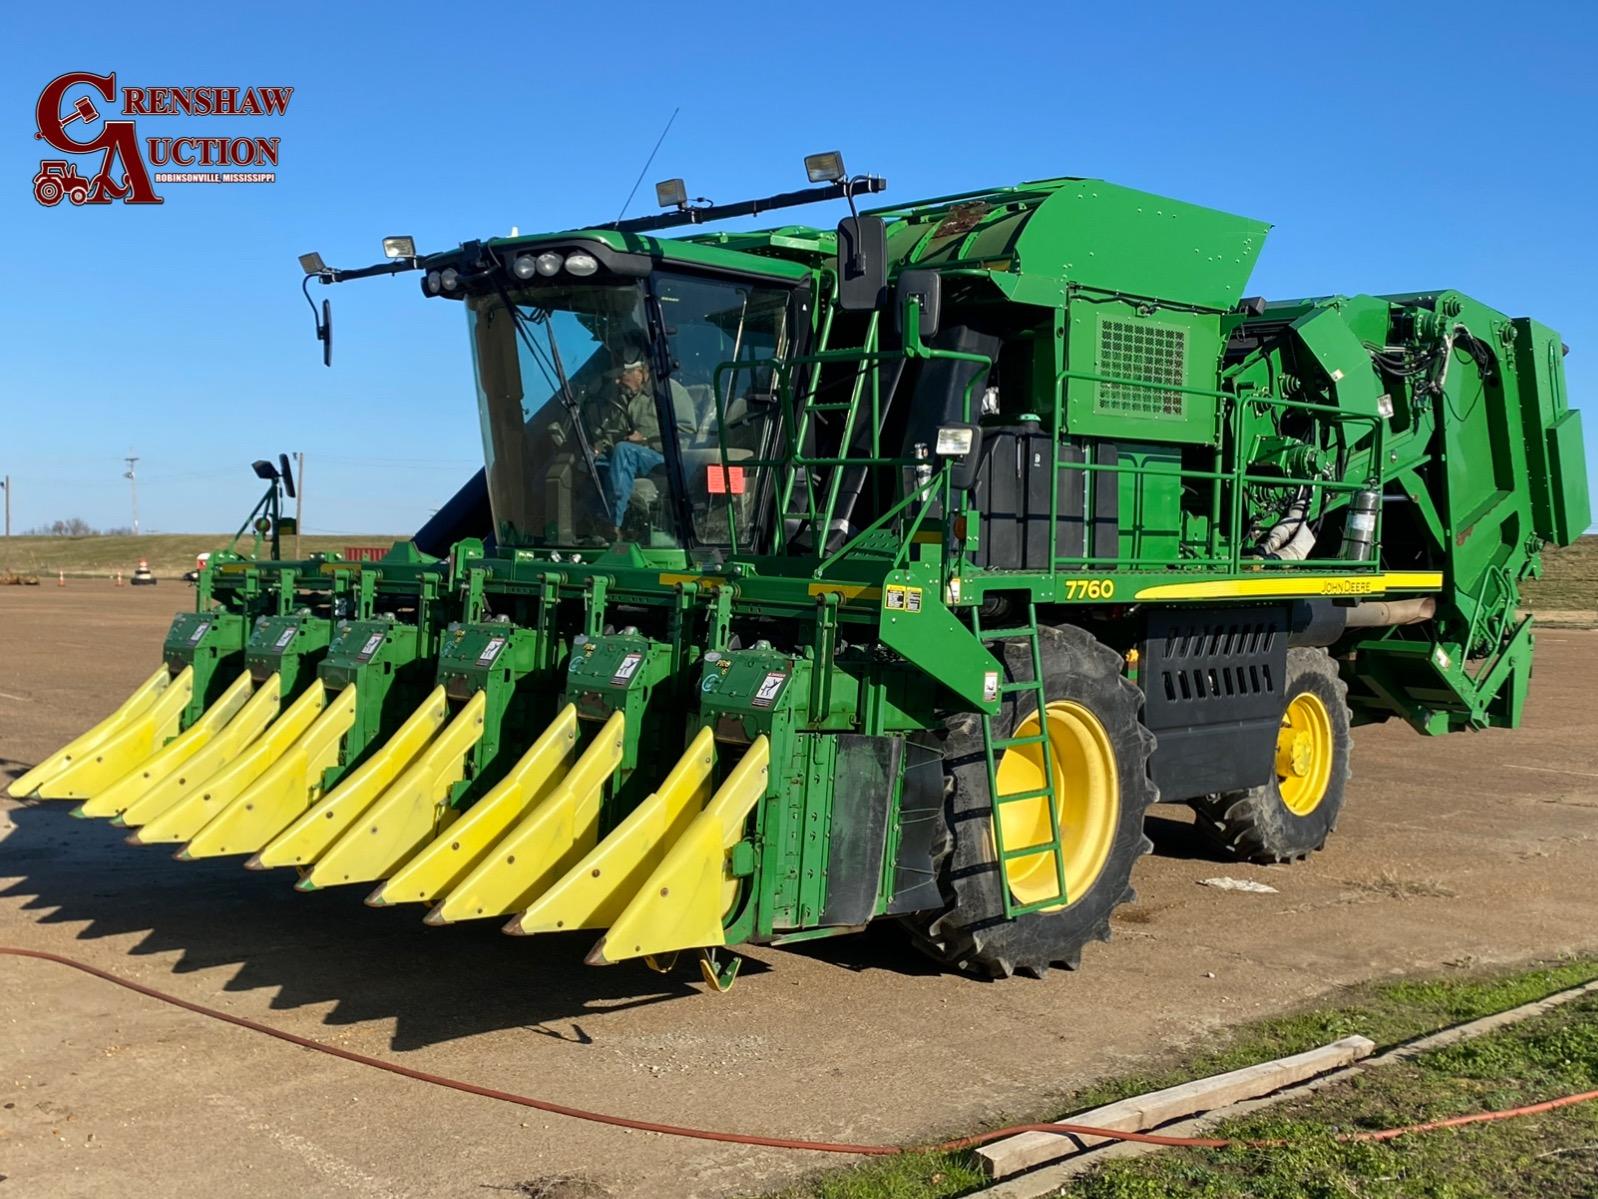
<point>1286,585</point>
<point>900,598</point>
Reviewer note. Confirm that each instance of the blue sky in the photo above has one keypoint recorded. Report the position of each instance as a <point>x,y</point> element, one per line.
<point>1394,147</point>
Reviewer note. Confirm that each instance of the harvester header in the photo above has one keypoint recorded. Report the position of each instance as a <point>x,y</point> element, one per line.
<point>821,576</point>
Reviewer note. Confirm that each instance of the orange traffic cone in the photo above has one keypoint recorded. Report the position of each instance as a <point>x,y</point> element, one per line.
<point>119,578</point>
<point>61,578</point>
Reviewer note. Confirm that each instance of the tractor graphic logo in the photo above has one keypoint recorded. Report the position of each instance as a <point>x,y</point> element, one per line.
<point>116,143</point>
<point>57,178</point>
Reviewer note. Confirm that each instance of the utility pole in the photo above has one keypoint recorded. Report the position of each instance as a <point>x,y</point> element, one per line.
<point>133,484</point>
<point>7,486</point>
<point>299,501</point>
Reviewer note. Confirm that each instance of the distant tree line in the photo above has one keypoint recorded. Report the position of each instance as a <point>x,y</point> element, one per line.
<point>74,526</point>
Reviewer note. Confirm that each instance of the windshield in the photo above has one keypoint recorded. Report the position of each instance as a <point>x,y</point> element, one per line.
<point>585,424</point>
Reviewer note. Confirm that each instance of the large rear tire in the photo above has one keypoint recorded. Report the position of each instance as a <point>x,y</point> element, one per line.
<point>1291,816</point>
<point>1100,751</point>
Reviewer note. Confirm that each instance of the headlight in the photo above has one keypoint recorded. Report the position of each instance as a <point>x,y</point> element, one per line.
<point>451,278</point>
<point>954,441</point>
<point>549,264</point>
<point>524,266</point>
<point>582,264</point>
<point>435,282</point>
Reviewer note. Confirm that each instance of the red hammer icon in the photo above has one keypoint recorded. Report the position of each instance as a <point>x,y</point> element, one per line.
<point>82,110</point>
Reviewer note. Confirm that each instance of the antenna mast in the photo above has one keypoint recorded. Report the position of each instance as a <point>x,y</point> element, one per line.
<point>133,485</point>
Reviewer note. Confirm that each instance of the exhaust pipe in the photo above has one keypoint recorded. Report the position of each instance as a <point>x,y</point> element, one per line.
<point>1378,614</point>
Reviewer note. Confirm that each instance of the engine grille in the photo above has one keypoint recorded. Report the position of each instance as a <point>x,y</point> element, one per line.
<point>1147,353</point>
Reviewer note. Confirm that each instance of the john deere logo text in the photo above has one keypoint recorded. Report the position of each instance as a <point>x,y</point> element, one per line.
<point>126,168</point>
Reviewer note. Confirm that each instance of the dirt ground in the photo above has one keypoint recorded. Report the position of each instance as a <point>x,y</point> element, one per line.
<point>1472,848</point>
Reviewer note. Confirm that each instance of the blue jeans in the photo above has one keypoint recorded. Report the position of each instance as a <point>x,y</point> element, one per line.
<point>628,460</point>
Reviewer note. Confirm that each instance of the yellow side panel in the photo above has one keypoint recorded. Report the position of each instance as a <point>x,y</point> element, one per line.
<point>134,740</point>
<point>135,705</point>
<point>689,894</point>
<point>284,790</point>
<point>166,760</point>
<point>305,840</point>
<point>546,843</point>
<point>408,814</point>
<point>441,864</point>
<point>194,810</point>
<point>593,893</point>
<point>261,709</point>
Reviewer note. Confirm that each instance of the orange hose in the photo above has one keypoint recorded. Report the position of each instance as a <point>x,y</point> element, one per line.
<point>1057,1128</point>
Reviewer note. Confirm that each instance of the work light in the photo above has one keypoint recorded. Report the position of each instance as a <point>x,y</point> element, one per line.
<point>671,193</point>
<point>825,168</point>
<point>399,247</point>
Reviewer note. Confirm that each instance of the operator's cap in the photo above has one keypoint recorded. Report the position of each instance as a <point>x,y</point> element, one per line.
<point>628,362</point>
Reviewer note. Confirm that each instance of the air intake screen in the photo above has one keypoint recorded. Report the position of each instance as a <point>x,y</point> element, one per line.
<point>1147,353</point>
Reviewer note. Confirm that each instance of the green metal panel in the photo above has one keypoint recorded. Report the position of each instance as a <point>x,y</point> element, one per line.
<point>1572,513</point>
<point>1140,371</point>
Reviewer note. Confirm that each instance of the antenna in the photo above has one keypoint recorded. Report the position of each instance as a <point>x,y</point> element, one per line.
<point>647,161</point>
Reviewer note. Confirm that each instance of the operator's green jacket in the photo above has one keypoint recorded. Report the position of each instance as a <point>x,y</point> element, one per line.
<point>621,414</point>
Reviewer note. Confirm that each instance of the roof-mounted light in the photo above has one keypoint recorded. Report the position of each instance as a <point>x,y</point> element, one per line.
<point>671,193</point>
<point>312,263</point>
<point>399,247</point>
<point>825,168</point>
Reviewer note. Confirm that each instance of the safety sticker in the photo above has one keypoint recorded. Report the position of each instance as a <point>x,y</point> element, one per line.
<point>628,668</point>
<point>199,631</point>
<point>902,599</point>
<point>770,687</point>
<point>370,648</point>
<point>491,651</point>
<point>285,637</point>
<point>990,685</point>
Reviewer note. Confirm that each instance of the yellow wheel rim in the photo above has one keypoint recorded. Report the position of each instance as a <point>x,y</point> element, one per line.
<point>1304,750</point>
<point>1087,793</point>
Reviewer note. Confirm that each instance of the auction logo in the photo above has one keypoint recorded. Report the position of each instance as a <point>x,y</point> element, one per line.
<point>124,166</point>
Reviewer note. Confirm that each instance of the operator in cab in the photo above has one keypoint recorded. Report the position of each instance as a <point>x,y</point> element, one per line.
<point>627,436</point>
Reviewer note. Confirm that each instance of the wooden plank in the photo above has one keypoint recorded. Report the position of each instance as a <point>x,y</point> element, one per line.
<point>1143,1112</point>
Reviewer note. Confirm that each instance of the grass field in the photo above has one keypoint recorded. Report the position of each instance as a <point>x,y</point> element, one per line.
<point>169,554</point>
<point>1553,1155</point>
<point>1569,582</point>
<point>1545,1057</point>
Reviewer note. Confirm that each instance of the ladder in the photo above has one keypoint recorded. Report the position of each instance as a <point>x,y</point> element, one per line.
<point>992,747</point>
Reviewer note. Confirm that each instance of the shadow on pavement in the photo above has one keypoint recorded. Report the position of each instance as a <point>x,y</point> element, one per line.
<point>437,984</point>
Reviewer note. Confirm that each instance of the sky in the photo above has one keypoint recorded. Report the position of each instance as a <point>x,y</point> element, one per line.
<point>1393,147</point>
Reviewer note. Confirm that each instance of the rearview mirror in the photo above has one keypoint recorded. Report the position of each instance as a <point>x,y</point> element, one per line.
<point>324,333</point>
<point>925,287</point>
<point>862,263</point>
<point>286,473</point>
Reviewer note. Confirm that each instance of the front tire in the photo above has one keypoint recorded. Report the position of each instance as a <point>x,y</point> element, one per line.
<point>1101,750</point>
<point>1291,816</point>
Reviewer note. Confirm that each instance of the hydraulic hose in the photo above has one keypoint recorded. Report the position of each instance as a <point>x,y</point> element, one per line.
<point>1057,1128</point>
